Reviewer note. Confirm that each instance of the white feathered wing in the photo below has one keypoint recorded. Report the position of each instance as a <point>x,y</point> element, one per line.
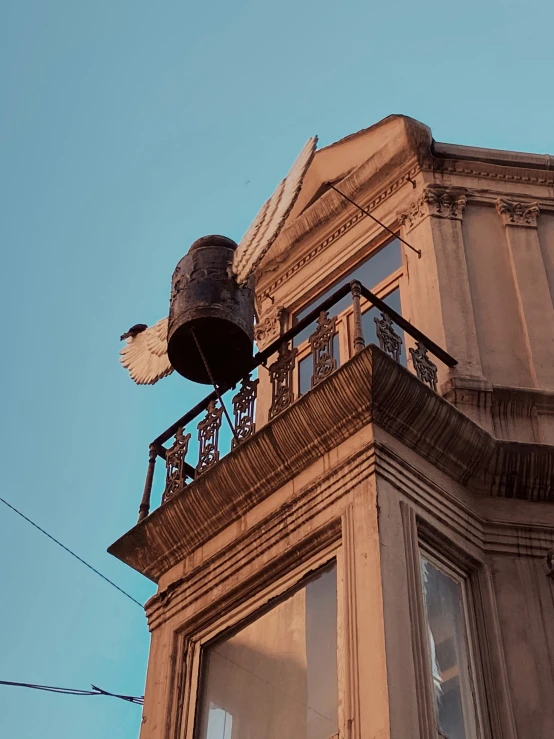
<point>270,220</point>
<point>145,355</point>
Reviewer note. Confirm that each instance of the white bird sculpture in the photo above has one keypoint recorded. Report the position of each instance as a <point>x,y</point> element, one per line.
<point>145,353</point>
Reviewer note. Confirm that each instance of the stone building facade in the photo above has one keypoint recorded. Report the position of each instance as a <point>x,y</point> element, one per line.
<point>376,559</point>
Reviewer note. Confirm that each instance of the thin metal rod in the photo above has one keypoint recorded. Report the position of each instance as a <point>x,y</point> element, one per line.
<point>258,359</point>
<point>370,215</point>
<point>264,355</point>
<point>303,323</point>
<point>161,451</point>
<point>144,507</point>
<point>183,421</point>
<point>408,328</point>
<point>212,380</point>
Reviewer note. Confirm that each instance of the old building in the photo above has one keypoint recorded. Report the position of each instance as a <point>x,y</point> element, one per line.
<point>373,558</point>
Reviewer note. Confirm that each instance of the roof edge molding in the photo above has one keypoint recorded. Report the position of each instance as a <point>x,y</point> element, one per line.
<point>372,159</point>
<point>493,156</point>
<point>358,161</point>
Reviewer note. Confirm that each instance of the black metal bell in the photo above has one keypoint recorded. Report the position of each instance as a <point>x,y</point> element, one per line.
<point>209,311</point>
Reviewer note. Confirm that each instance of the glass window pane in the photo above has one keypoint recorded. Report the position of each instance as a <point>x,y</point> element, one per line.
<point>370,273</point>
<point>220,723</point>
<point>369,328</point>
<point>448,653</point>
<point>276,677</point>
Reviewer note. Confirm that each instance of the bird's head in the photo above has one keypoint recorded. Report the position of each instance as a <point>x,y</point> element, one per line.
<point>133,331</point>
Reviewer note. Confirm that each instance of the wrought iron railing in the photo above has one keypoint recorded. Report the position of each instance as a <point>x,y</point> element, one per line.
<point>179,471</point>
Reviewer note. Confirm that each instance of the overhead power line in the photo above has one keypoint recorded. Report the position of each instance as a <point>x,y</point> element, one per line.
<point>75,691</point>
<point>81,560</point>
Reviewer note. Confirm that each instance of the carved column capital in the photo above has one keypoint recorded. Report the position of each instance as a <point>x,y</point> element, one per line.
<point>518,214</point>
<point>269,326</point>
<point>436,201</point>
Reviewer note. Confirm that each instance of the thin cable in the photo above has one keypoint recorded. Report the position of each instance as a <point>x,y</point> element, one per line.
<point>47,688</point>
<point>129,698</point>
<point>70,552</point>
<point>212,380</point>
<point>75,691</point>
<point>370,215</point>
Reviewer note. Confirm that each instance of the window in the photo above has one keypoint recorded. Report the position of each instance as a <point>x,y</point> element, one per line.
<point>371,272</point>
<point>449,651</point>
<point>381,272</point>
<point>220,723</point>
<point>277,676</point>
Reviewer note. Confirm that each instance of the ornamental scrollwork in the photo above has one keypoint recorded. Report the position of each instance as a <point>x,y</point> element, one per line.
<point>280,374</point>
<point>425,369</point>
<point>389,341</point>
<point>175,479</point>
<point>321,343</point>
<point>208,438</point>
<point>437,201</point>
<point>518,214</point>
<point>243,407</point>
<point>269,327</point>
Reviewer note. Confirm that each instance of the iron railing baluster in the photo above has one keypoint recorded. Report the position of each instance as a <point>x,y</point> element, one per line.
<point>358,342</point>
<point>321,343</point>
<point>144,507</point>
<point>281,378</point>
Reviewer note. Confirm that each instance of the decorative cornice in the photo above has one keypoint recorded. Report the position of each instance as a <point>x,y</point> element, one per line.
<point>488,197</point>
<point>518,214</point>
<point>346,226</point>
<point>313,253</point>
<point>269,327</point>
<point>436,201</point>
<point>263,541</point>
<point>312,426</point>
<point>482,532</point>
<point>370,388</point>
<point>490,171</point>
<point>483,170</point>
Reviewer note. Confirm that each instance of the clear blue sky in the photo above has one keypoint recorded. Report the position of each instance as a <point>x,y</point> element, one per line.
<point>129,129</point>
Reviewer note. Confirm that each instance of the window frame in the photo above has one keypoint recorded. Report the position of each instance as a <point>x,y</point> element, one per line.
<point>462,576</point>
<point>368,248</point>
<point>189,685</point>
<point>490,680</point>
<point>344,320</point>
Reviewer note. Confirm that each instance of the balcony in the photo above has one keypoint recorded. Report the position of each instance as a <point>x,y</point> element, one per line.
<point>280,360</point>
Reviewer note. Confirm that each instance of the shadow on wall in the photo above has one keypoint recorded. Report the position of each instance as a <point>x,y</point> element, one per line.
<point>278,675</point>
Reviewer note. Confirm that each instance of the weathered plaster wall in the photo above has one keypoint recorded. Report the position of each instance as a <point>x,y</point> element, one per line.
<point>501,543</point>
<point>483,286</point>
<point>372,459</point>
<point>525,598</point>
<point>546,239</point>
<point>500,332</point>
